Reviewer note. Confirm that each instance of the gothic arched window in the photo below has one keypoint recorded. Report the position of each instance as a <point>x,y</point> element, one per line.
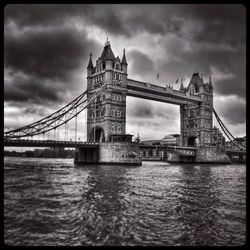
<point>112,127</point>
<point>191,123</point>
<point>119,128</point>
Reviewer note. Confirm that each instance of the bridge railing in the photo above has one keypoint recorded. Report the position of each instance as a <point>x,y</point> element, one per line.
<point>47,141</point>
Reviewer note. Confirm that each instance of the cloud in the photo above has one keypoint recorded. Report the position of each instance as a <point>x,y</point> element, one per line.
<point>231,109</point>
<point>49,53</point>
<point>140,64</point>
<point>45,64</point>
<point>46,50</point>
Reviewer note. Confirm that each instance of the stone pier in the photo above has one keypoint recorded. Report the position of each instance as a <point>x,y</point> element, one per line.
<point>119,152</point>
<point>204,154</point>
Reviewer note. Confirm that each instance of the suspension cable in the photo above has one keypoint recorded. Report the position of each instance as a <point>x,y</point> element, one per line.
<point>76,128</point>
<point>65,131</point>
<point>218,119</point>
<point>227,132</point>
<point>239,145</point>
<point>55,120</point>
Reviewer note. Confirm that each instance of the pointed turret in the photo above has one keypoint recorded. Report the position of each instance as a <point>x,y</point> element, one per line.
<point>90,68</point>
<point>107,53</point>
<point>210,83</point>
<point>196,81</point>
<point>181,87</point>
<point>124,60</point>
<point>90,65</point>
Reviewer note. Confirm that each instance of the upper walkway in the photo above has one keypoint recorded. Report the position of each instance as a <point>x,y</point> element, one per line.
<point>158,93</point>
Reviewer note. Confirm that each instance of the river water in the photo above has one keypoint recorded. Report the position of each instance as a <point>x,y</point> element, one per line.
<point>53,202</point>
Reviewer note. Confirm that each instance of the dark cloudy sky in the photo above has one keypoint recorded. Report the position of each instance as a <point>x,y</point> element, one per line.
<point>46,51</point>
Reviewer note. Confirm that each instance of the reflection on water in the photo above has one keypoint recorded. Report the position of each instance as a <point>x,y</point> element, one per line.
<point>53,202</point>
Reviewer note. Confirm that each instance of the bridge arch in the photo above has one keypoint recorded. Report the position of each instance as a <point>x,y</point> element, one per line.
<point>97,134</point>
<point>192,141</point>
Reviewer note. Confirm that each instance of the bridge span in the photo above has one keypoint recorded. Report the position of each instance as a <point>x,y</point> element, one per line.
<point>158,93</point>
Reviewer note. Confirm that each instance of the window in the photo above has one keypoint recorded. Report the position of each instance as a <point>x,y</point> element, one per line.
<point>119,128</point>
<point>115,113</point>
<point>91,114</point>
<point>117,77</point>
<point>117,66</point>
<point>103,111</point>
<point>191,124</point>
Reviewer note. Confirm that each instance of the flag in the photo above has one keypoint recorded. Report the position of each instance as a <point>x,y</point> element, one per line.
<point>177,80</point>
<point>157,76</point>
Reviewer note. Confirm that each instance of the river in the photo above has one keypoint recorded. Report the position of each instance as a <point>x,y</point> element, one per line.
<point>52,202</point>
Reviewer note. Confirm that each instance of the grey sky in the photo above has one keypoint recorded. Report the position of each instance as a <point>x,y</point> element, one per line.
<point>46,51</point>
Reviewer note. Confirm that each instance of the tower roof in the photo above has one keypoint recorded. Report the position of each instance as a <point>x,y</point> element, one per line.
<point>90,65</point>
<point>107,53</point>
<point>210,83</point>
<point>124,60</point>
<point>181,87</point>
<point>196,80</point>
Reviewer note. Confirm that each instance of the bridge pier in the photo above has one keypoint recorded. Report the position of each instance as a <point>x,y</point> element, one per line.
<point>210,154</point>
<point>204,154</point>
<point>86,155</point>
<point>119,153</point>
<point>174,158</point>
<point>125,152</point>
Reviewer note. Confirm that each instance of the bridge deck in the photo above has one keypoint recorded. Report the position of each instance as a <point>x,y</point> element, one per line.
<point>49,143</point>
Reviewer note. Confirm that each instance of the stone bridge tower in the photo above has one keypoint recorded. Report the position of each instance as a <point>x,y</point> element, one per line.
<point>197,123</point>
<point>197,119</point>
<point>107,115</point>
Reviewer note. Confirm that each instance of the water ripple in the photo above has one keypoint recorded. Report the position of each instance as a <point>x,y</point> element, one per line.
<point>51,202</point>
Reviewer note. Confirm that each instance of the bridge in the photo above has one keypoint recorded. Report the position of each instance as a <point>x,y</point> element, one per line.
<point>105,102</point>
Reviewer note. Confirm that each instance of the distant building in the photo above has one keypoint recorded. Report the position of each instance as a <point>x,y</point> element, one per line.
<point>54,153</point>
<point>239,141</point>
<point>216,138</point>
<point>172,139</point>
<point>38,152</point>
<point>152,142</point>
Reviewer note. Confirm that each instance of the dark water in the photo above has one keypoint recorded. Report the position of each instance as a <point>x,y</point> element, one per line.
<point>53,202</point>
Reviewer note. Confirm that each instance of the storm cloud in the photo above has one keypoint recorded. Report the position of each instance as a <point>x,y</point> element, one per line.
<point>47,46</point>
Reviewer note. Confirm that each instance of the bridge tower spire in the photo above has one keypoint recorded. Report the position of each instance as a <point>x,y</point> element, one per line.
<point>124,62</point>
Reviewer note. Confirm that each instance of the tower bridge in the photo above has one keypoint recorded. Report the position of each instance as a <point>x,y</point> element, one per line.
<point>108,86</point>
